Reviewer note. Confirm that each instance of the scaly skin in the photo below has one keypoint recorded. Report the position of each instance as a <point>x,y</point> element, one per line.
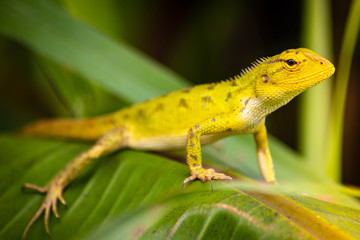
<point>189,118</point>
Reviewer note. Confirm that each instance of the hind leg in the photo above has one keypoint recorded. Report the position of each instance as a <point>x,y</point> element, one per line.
<point>111,141</point>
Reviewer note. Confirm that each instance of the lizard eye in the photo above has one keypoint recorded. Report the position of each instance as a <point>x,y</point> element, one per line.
<point>291,62</point>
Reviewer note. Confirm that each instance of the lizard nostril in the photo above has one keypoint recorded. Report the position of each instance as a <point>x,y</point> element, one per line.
<point>321,63</point>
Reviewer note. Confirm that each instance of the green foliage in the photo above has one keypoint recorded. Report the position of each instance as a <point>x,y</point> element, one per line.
<point>133,194</point>
<point>338,104</point>
<point>320,139</point>
<point>315,102</point>
<point>127,185</point>
<point>115,67</point>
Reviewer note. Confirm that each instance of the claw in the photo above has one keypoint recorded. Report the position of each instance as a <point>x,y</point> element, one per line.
<point>54,209</point>
<point>62,200</point>
<point>53,193</point>
<point>46,218</point>
<point>35,217</point>
<point>189,179</point>
<point>206,175</point>
<point>211,185</point>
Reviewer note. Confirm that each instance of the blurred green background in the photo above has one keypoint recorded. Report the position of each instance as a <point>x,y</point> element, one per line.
<point>204,41</point>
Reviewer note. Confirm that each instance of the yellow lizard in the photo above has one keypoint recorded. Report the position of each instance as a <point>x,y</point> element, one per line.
<point>188,118</point>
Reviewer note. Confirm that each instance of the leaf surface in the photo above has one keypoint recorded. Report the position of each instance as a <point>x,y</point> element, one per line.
<point>125,185</point>
<point>130,181</point>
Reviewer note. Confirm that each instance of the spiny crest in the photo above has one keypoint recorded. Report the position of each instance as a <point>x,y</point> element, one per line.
<point>253,65</point>
<point>247,70</point>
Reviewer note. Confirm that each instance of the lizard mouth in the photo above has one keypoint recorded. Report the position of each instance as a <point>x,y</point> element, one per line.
<point>319,76</point>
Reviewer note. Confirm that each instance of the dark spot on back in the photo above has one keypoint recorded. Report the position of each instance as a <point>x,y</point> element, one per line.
<point>193,156</point>
<point>183,103</point>
<point>304,60</point>
<point>214,120</point>
<point>211,87</point>
<point>111,121</point>
<point>247,101</point>
<point>186,90</point>
<point>297,52</point>
<point>233,84</point>
<point>196,127</point>
<point>140,113</point>
<point>206,99</point>
<point>159,107</point>
<point>229,95</point>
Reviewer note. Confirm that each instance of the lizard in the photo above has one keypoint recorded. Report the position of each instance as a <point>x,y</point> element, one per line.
<point>188,118</point>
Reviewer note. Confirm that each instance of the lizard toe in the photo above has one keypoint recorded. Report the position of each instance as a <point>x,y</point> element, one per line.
<point>53,194</point>
<point>206,175</point>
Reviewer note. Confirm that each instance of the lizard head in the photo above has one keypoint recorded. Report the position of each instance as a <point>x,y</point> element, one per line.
<point>284,76</point>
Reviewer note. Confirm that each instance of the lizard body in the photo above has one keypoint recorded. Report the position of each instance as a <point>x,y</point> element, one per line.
<point>188,118</point>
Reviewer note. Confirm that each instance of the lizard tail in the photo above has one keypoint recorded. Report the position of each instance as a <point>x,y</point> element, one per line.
<point>84,129</point>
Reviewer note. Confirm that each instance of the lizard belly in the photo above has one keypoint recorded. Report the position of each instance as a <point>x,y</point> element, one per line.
<point>159,142</point>
<point>170,139</point>
<point>171,142</point>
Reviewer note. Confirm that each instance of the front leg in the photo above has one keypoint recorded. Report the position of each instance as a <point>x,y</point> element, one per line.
<point>217,125</point>
<point>263,154</point>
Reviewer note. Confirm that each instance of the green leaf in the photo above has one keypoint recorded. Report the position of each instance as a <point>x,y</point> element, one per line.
<point>128,226</point>
<point>116,67</point>
<point>316,102</point>
<point>125,185</point>
<point>117,185</point>
<point>335,141</point>
<point>68,94</point>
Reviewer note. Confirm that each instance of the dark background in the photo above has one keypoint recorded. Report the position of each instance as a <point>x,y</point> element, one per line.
<point>204,41</point>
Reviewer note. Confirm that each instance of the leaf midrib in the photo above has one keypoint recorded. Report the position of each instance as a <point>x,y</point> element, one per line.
<point>303,218</point>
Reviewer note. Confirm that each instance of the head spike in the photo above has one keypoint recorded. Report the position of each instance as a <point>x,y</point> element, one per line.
<point>253,65</point>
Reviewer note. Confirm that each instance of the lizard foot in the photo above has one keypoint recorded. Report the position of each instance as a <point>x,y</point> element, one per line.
<point>206,175</point>
<point>53,193</point>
